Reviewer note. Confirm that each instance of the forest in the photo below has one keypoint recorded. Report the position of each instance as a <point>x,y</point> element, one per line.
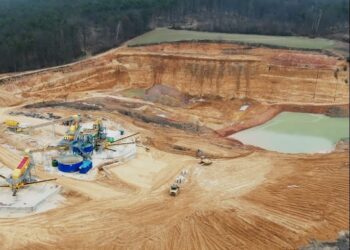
<point>44,33</point>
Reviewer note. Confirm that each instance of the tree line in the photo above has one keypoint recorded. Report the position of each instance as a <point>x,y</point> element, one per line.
<point>42,33</point>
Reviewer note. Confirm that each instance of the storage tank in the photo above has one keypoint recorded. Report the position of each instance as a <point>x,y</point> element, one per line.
<point>69,163</point>
<point>54,163</point>
<point>88,148</point>
<point>85,167</point>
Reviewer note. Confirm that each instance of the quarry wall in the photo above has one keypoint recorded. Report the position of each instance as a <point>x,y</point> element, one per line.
<point>276,76</point>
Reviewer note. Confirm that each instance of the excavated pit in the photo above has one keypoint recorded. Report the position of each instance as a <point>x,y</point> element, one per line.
<point>181,98</point>
<point>262,74</point>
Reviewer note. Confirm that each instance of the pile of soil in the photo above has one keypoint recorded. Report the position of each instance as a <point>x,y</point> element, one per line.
<point>166,95</point>
<point>7,99</point>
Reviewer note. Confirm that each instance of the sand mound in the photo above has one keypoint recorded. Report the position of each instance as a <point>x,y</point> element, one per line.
<point>8,99</point>
<point>304,60</point>
<point>166,95</point>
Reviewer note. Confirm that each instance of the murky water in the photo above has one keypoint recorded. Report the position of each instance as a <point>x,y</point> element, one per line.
<point>291,132</point>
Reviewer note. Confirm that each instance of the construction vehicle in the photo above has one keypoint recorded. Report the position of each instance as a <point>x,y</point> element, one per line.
<point>205,161</point>
<point>174,189</point>
<point>14,126</point>
<point>180,180</point>
<point>21,175</point>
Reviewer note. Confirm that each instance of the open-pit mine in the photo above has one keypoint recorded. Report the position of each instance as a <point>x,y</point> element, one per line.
<point>140,148</point>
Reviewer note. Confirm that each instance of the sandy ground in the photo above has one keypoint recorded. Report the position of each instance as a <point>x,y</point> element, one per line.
<point>149,170</point>
<point>247,199</point>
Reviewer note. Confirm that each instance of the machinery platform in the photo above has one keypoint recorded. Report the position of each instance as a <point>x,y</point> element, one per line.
<point>30,199</point>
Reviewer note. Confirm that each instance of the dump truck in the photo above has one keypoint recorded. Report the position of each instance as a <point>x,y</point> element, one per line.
<point>180,180</point>
<point>174,189</point>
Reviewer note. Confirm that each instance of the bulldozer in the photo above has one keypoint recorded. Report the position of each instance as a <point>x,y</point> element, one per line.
<point>205,161</point>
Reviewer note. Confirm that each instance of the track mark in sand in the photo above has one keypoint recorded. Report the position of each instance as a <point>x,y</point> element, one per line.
<point>235,177</point>
<point>9,158</point>
<point>307,195</point>
<point>151,170</point>
<point>93,190</point>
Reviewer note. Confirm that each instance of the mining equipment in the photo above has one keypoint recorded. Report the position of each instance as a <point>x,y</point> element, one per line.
<point>21,175</point>
<point>180,179</point>
<point>205,161</point>
<point>107,145</point>
<point>69,119</point>
<point>174,189</point>
<point>100,130</point>
<point>14,126</point>
<point>72,132</point>
<point>92,137</point>
<point>84,145</point>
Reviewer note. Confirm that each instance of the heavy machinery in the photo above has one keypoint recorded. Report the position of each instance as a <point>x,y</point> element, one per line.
<point>14,126</point>
<point>95,136</point>
<point>21,175</point>
<point>174,189</point>
<point>72,132</point>
<point>74,129</point>
<point>82,142</point>
<point>108,145</point>
<point>205,161</point>
<point>180,180</point>
<point>100,130</point>
<point>83,145</point>
<point>67,120</point>
<point>49,148</point>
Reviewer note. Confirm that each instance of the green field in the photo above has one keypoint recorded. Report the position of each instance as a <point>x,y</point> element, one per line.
<point>161,35</point>
<point>133,93</point>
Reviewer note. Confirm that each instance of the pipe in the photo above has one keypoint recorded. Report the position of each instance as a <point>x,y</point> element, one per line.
<point>53,179</point>
<point>124,138</point>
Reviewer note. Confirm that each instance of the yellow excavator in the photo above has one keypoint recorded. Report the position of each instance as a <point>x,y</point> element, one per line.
<point>13,125</point>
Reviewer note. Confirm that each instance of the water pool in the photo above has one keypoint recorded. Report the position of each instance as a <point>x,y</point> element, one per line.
<point>291,132</point>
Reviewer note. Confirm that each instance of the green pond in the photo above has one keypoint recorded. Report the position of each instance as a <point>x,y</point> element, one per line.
<point>291,132</point>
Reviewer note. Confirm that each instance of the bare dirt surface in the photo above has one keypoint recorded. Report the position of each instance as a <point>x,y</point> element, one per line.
<point>247,199</point>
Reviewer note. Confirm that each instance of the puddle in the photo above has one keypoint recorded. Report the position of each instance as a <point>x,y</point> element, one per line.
<point>291,132</point>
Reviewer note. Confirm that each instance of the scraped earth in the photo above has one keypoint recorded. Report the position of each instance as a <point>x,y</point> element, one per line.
<point>183,97</point>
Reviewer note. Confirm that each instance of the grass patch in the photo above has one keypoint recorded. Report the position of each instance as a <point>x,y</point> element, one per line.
<point>133,93</point>
<point>162,35</point>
